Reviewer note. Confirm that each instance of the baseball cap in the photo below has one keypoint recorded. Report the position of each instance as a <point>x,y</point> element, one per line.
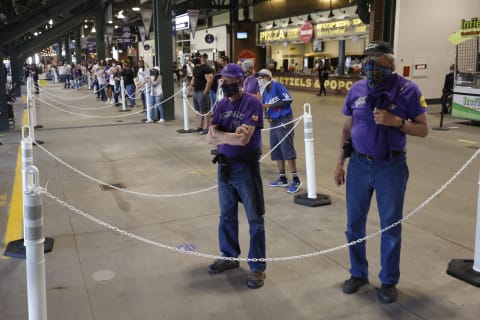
<point>232,70</point>
<point>264,72</point>
<point>156,68</point>
<point>376,48</point>
<point>247,64</point>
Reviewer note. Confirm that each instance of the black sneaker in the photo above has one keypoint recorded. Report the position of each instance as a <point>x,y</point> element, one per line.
<point>198,130</point>
<point>387,293</point>
<point>220,265</point>
<point>353,284</point>
<point>203,132</point>
<point>255,279</point>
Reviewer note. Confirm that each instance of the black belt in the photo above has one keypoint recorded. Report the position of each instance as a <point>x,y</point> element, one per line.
<point>395,153</point>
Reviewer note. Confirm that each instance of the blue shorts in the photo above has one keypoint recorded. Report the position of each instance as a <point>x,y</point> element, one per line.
<point>286,150</point>
<point>201,102</point>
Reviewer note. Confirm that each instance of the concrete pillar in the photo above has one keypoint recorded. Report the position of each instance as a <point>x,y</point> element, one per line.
<point>100,27</point>
<point>78,45</point>
<point>162,13</point>
<point>4,124</point>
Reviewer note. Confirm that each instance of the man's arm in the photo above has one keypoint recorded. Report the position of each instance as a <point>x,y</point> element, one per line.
<point>418,127</point>
<point>339,174</point>
<point>208,86</point>
<point>240,137</point>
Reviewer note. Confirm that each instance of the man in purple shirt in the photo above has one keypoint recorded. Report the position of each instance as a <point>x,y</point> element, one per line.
<point>236,131</point>
<point>381,110</point>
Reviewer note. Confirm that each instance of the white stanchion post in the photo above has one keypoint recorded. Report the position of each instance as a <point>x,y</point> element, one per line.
<point>469,270</point>
<point>311,198</point>
<point>27,154</point>
<point>34,108</point>
<point>185,110</point>
<point>34,246</point>
<point>476,259</point>
<point>124,101</point>
<point>147,102</point>
<point>31,127</point>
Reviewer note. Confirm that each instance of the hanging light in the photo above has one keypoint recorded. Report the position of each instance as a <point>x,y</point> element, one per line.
<point>309,17</point>
<point>331,15</point>
<point>290,21</point>
<point>93,30</point>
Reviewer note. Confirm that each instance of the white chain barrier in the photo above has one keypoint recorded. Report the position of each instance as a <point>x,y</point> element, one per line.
<point>271,259</point>
<point>141,194</point>
<point>297,122</point>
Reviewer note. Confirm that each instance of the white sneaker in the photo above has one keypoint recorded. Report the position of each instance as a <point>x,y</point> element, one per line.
<point>149,121</point>
<point>108,101</point>
<point>161,120</point>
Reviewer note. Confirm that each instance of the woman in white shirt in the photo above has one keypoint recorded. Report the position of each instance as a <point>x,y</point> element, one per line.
<point>156,95</point>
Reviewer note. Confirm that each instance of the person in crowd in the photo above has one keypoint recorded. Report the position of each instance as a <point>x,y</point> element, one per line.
<point>108,84</point>
<point>115,79</point>
<point>156,96</point>
<point>101,82</point>
<point>201,83</point>
<point>322,73</point>
<point>380,111</point>
<point>77,75</point>
<point>277,104</point>
<point>141,82</point>
<point>250,84</point>
<point>128,76</point>
<point>216,84</point>
<point>236,131</point>
<point>67,71</point>
<point>34,71</point>
<point>447,89</point>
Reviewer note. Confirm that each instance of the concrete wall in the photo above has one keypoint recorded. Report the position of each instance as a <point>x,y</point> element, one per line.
<point>421,35</point>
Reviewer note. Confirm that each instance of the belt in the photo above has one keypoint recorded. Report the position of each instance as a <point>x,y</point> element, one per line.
<point>395,153</point>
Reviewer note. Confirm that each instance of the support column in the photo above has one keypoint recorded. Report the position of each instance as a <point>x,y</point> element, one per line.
<point>66,43</point>
<point>341,57</point>
<point>4,125</point>
<point>100,27</point>
<point>78,45</point>
<point>162,12</point>
<point>59,52</point>
<point>376,21</point>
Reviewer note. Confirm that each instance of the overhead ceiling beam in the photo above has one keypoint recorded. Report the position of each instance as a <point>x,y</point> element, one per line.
<point>37,18</point>
<point>47,38</point>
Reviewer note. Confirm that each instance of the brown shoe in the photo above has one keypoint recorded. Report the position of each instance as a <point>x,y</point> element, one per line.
<point>255,279</point>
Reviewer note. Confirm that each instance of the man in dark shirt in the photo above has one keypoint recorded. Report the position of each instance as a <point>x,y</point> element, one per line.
<point>128,76</point>
<point>201,83</point>
<point>447,89</point>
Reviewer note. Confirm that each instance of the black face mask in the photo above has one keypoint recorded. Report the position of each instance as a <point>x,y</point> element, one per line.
<point>229,90</point>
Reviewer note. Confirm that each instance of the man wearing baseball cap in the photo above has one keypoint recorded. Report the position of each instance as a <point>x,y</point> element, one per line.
<point>381,111</point>
<point>236,131</point>
<point>277,104</point>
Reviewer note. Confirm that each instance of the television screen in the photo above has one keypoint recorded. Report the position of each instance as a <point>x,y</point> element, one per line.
<point>242,35</point>
<point>182,22</point>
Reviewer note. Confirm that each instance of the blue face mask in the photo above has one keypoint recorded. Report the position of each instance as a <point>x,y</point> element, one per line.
<point>375,73</point>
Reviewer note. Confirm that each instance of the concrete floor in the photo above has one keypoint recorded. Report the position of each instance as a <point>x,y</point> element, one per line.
<point>96,273</point>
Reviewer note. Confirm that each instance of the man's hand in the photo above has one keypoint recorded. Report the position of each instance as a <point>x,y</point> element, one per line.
<point>339,175</point>
<point>386,118</point>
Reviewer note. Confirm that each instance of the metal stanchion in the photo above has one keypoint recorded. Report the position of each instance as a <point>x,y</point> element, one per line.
<point>441,127</point>
<point>34,242</point>
<point>185,110</point>
<point>311,198</point>
<point>124,102</point>
<point>34,109</point>
<point>469,270</point>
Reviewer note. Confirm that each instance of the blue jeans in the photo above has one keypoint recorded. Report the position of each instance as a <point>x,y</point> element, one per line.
<point>156,107</point>
<point>241,186</point>
<point>389,181</point>
<point>130,88</point>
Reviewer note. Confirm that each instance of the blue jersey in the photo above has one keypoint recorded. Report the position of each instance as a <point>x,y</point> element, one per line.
<point>277,92</point>
<point>228,116</point>
<point>403,98</point>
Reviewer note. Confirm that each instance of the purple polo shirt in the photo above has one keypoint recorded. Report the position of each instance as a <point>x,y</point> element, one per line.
<point>228,116</point>
<point>250,85</point>
<point>408,104</point>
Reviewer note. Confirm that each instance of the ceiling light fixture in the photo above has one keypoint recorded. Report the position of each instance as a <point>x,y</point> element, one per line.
<point>136,8</point>
<point>331,15</point>
<point>309,17</point>
<point>93,29</point>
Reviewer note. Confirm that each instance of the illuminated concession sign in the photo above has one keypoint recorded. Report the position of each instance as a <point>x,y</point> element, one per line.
<point>324,30</point>
<point>341,28</point>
